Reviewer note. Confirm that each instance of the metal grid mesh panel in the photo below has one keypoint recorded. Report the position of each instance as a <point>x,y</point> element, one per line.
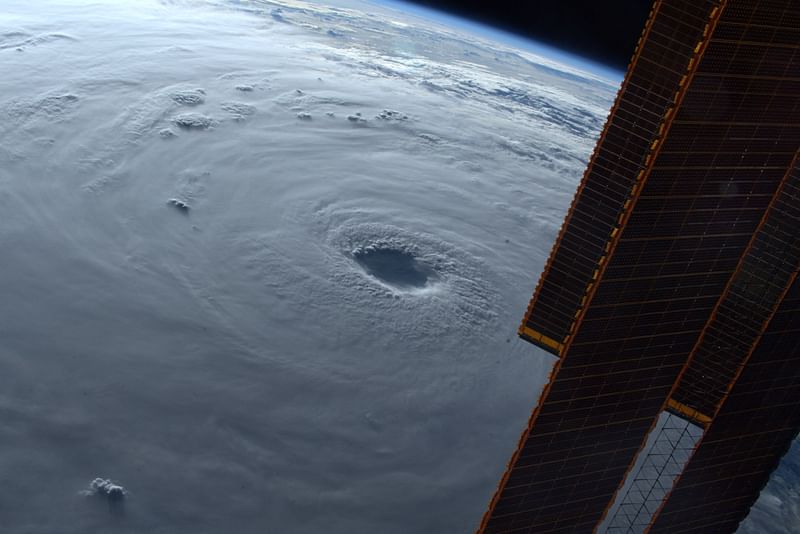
<point>668,449</point>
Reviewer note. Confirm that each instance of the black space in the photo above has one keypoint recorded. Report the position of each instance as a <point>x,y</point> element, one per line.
<point>605,31</point>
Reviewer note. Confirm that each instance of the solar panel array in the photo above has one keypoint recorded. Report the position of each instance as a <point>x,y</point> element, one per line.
<point>603,397</point>
<point>617,167</point>
<point>754,292</point>
<point>752,431</point>
<point>701,135</point>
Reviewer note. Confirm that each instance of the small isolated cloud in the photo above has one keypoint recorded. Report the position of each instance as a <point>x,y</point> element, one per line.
<point>194,121</point>
<point>356,119</point>
<point>391,115</point>
<point>179,204</point>
<point>192,97</point>
<point>105,488</point>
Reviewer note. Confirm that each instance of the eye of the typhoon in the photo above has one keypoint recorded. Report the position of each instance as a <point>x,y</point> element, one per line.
<point>262,263</point>
<point>394,267</point>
